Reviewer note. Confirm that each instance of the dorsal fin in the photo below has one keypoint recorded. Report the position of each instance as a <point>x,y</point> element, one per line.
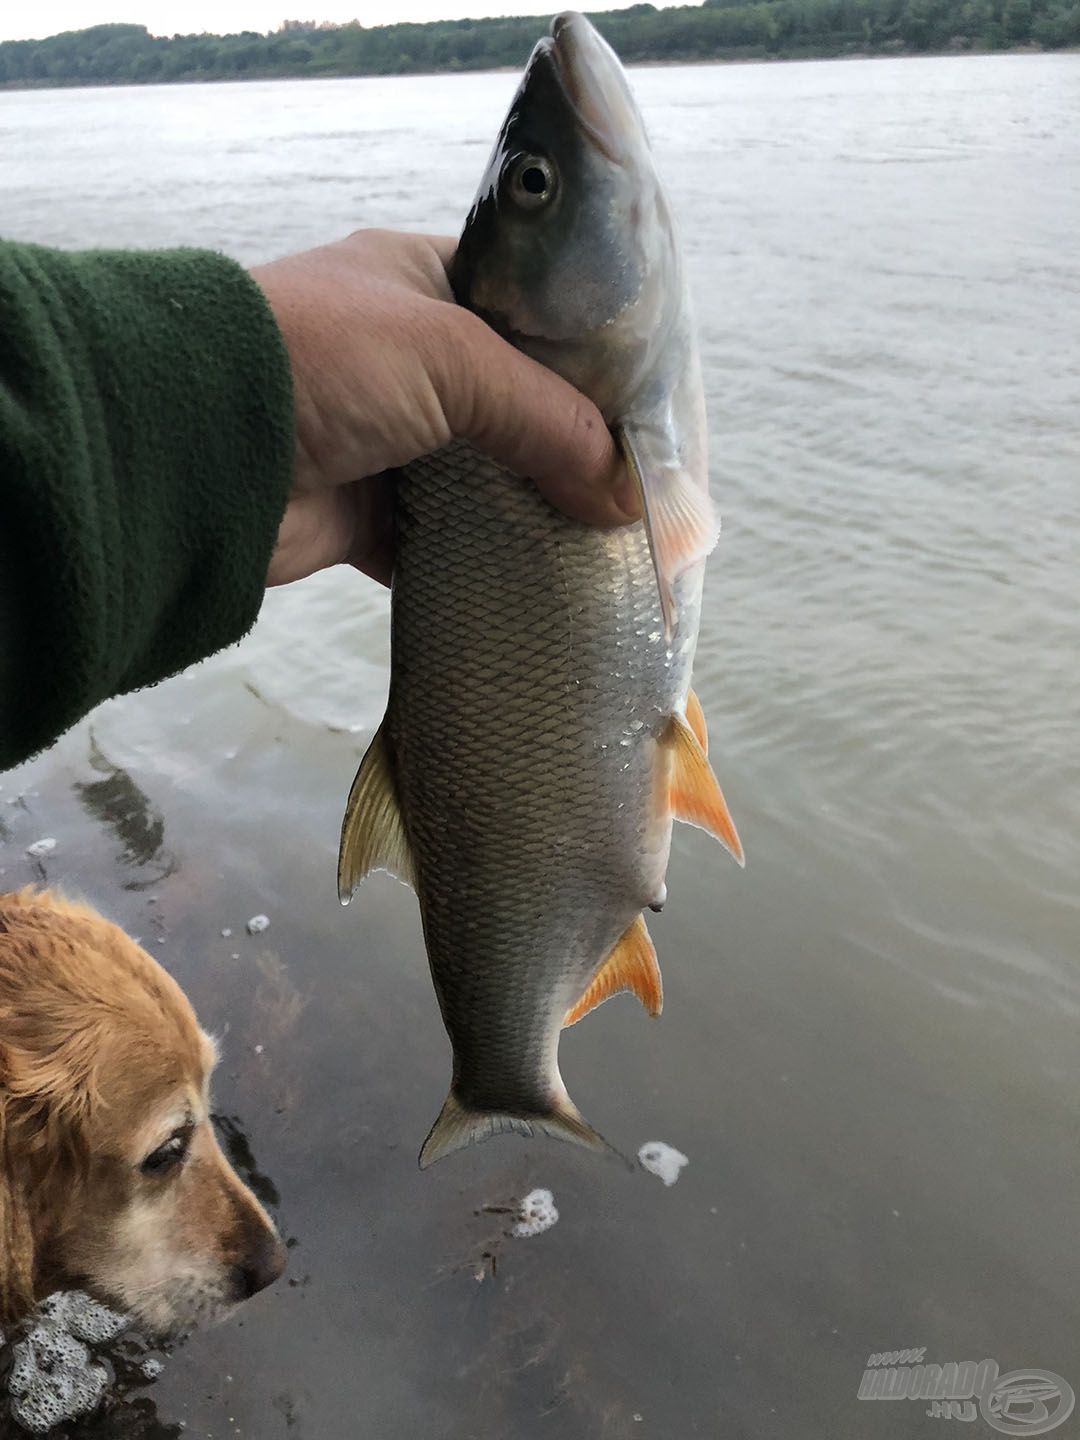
<point>695,795</point>
<point>632,965</point>
<point>372,832</point>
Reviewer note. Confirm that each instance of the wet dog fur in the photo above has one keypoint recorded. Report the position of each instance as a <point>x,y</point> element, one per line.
<point>111,1176</point>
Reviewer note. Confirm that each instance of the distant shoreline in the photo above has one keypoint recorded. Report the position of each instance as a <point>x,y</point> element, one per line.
<point>710,32</point>
<point>126,83</point>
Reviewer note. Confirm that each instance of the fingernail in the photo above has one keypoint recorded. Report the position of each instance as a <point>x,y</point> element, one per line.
<point>625,494</point>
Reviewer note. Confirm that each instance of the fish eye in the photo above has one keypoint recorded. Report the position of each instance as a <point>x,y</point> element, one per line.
<point>168,1156</point>
<point>532,181</point>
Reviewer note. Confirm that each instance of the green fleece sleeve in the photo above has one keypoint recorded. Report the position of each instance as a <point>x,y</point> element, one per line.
<point>146,447</point>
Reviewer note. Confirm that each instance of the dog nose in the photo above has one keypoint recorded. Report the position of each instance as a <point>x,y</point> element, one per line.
<point>260,1268</point>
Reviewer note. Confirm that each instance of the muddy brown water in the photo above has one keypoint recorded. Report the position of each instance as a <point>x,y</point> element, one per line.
<point>869,1043</point>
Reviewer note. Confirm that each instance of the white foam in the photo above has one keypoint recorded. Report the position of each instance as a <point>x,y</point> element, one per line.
<point>85,1318</point>
<point>661,1160</point>
<point>53,1378</point>
<point>257,924</point>
<point>41,848</point>
<point>536,1214</point>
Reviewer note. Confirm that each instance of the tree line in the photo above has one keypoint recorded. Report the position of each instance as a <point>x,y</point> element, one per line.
<point>715,30</point>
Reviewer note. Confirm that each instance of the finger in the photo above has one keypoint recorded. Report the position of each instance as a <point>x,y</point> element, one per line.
<point>445,246</point>
<point>317,530</point>
<point>373,545</point>
<point>420,261</point>
<point>527,418</point>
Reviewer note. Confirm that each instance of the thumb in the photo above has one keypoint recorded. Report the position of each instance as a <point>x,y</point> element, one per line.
<point>530,420</point>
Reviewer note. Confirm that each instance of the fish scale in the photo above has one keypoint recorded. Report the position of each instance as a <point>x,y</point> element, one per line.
<point>530,685</point>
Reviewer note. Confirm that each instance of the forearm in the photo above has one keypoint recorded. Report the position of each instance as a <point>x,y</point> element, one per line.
<point>146,450</point>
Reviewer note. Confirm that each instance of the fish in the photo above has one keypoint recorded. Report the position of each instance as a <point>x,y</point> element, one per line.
<point>540,734</point>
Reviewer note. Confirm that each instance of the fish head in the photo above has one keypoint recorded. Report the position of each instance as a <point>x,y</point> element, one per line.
<point>569,250</point>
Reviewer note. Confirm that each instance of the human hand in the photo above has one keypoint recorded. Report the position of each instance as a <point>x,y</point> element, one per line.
<point>387,368</point>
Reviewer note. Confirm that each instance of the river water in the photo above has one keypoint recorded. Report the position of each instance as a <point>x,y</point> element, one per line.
<point>869,1044</point>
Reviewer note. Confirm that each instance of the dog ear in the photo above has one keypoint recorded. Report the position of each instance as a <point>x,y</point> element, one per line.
<point>46,1080</point>
<point>17,1244</point>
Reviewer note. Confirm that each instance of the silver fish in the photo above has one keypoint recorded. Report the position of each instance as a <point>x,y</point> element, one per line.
<point>540,734</point>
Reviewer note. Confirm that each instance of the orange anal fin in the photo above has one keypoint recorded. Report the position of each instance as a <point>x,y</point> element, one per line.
<point>694,794</point>
<point>695,718</point>
<point>632,965</point>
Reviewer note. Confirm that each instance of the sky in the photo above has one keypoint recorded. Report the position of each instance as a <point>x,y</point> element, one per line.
<point>169,17</point>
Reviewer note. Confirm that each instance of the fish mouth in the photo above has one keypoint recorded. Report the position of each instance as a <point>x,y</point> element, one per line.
<point>524,340</point>
<point>592,81</point>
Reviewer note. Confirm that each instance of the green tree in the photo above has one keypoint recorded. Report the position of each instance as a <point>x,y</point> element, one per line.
<point>1016,18</point>
<point>715,29</point>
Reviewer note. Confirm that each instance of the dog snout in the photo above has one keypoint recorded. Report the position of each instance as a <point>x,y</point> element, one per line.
<point>260,1266</point>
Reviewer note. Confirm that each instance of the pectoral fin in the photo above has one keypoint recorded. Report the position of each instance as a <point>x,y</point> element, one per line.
<point>694,793</point>
<point>632,965</point>
<point>680,521</point>
<point>372,832</point>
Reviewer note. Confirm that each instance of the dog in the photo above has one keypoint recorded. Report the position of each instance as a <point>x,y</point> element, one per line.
<point>111,1177</point>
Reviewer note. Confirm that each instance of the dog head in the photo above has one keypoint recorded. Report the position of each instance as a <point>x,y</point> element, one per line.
<point>111,1176</point>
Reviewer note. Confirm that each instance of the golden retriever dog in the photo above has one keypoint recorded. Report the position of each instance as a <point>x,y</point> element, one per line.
<point>111,1176</point>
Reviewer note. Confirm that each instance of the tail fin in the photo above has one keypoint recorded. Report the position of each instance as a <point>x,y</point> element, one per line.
<point>458,1127</point>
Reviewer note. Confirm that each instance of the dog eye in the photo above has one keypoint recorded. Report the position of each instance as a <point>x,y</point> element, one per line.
<point>166,1156</point>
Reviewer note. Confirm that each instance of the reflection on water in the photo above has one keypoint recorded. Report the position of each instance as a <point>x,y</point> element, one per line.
<point>117,803</point>
<point>237,1147</point>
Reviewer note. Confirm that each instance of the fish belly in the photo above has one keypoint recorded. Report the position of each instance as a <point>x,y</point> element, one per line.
<point>531,685</point>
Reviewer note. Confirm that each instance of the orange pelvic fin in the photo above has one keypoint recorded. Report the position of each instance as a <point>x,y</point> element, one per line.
<point>695,718</point>
<point>372,832</point>
<point>632,965</point>
<point>695,795</point>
